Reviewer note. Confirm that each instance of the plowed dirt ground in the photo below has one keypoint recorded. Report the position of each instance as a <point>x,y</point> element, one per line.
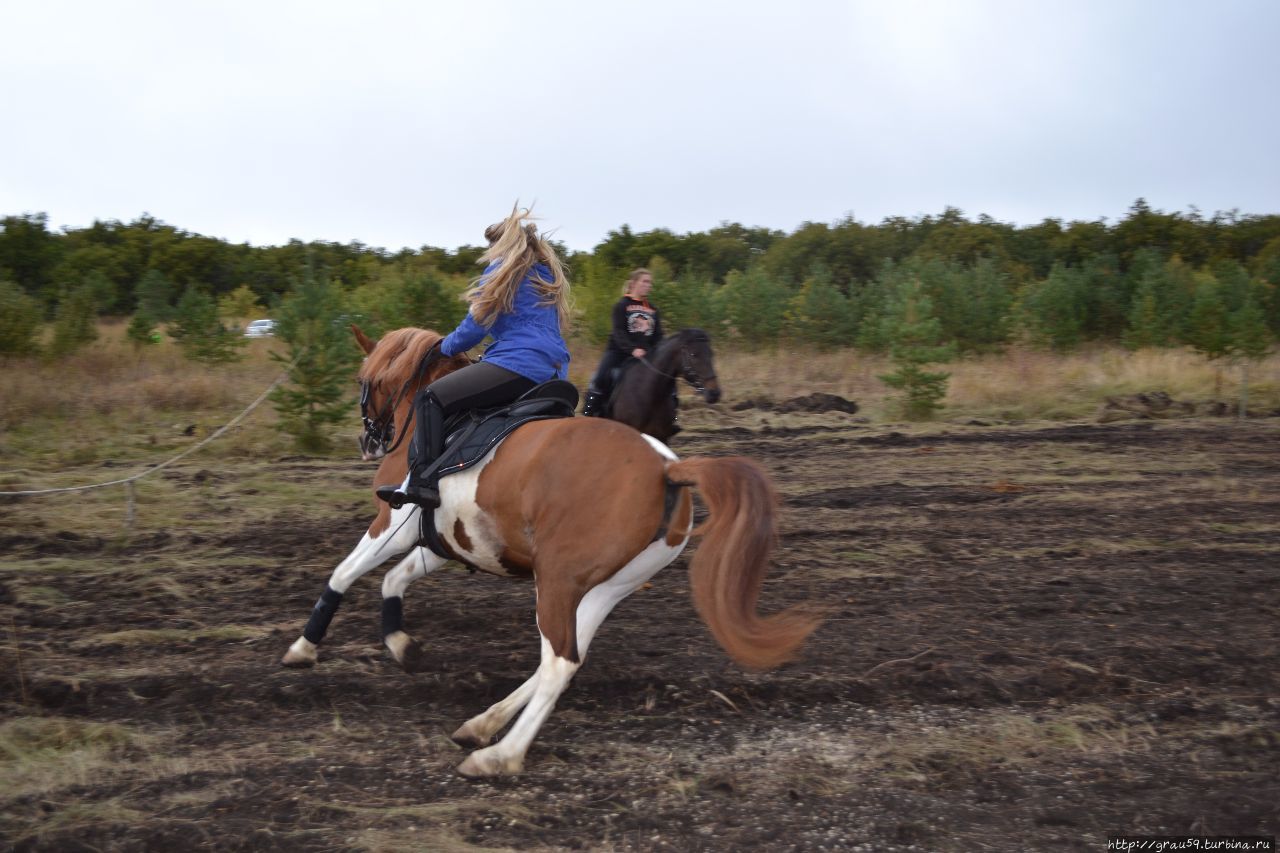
<point>1037,635</point>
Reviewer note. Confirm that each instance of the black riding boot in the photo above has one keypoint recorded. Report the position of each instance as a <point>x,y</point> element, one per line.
<point>428,442</point>
<point>593,405</point>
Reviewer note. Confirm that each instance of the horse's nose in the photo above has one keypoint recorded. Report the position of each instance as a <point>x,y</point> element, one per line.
<point>713,392</point>
<point>368,453</point>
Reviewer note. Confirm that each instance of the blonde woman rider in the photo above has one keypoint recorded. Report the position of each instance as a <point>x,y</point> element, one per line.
<point>637,331</point>
<point>522,302</point>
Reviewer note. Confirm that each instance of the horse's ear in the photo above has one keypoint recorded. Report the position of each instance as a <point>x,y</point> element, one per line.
<point>366,343</point>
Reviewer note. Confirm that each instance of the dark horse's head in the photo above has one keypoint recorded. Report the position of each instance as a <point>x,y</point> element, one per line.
<point>696,363</point>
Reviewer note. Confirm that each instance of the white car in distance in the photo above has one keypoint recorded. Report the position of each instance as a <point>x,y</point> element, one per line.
<point>260,329</point>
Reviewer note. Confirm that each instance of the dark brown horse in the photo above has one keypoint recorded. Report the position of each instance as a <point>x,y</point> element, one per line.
<point>646,394</point>
<point>587,508</point>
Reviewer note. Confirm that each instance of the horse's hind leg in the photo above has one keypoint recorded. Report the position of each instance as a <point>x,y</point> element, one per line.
<point>507,755</point>
<point>370,553</point>
<point>562,655</point>
<point>479,730</point>
<point>405,649</point>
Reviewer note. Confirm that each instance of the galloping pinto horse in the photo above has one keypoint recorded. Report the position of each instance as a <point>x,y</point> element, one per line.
<point>588,508</point>
<point>646,393</point>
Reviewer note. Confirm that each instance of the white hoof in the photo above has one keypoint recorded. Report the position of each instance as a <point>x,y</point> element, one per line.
<point>301,654</point>
<point>471,735</point>
<point>407,651</point>
<point>486,762</point>
<point>397,642</point>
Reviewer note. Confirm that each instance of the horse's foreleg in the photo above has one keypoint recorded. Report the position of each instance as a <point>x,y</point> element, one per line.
<point>372,551</point>
<point>406,650</point>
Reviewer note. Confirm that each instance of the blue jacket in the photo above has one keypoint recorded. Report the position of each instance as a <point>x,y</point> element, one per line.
<point>526,341</point>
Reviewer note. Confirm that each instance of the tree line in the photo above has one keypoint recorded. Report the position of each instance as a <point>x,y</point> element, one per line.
<point>824,283</point>
<point>936,284</point>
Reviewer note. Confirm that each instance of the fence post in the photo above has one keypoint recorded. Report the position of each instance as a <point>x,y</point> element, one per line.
<point>1244,389</point>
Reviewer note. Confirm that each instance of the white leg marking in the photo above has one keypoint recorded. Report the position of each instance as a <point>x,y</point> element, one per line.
<point>480,729</point>
<point>507,756</point>
<point>400,536</point>
<point>371,552</point>
<point>553,675</point>
<point>539,693</point>
<point>418,564</point>
<point>600,600</point>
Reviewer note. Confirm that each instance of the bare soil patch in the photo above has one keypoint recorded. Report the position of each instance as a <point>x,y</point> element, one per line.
<point>1036,636</point>
<point>815,403</point>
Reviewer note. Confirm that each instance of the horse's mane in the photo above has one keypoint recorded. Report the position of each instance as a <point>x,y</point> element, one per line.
<point>397,356</point>
<point>684,336</point>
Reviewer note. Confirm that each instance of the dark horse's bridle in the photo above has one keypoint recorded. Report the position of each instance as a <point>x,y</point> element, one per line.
<point>686,370</point>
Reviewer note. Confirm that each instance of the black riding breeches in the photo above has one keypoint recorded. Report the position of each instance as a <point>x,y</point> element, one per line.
<point>602,382</point>
<point>476,386</point>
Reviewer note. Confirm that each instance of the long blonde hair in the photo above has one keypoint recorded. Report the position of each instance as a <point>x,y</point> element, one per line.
<point>516,245</point>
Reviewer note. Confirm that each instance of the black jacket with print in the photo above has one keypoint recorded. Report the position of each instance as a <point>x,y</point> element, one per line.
<point>635,324</point>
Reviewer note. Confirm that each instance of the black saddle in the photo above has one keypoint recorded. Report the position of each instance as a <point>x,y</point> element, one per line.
<point>469,436</point>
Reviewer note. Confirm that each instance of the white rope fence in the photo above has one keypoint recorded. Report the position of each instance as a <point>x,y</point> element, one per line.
<point>129,481</point>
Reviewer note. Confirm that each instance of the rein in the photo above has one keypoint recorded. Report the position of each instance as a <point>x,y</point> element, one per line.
<point>383,429</point>
<point>686,369</point>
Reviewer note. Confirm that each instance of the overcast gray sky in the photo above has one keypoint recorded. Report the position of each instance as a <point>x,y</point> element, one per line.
<point>410,123</point>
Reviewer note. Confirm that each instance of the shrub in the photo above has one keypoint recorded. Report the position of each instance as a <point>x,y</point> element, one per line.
<point>155,295</point>
<point>20,317</point>
<point>755,304</point>
<point>820,314</point>
<point>142,330</point>
<point>319,359</point>
<point>916,340</point>
<point>199,332</point>
<point>75,323</point>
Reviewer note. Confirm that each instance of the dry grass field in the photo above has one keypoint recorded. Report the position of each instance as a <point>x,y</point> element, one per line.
<point>1040,630</point>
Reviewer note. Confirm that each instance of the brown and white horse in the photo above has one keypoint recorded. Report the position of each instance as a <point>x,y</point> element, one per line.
<point>590,510</point>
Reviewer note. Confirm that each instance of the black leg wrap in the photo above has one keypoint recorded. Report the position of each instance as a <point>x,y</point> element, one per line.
<point>322,615</point>
<point>392,615</point>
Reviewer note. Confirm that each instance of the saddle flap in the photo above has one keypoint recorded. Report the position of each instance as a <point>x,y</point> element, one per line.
<point>475,433</point>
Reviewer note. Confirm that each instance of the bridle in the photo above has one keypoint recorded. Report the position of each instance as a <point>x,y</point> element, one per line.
<point>378,431</point>
<point>381,430</point>
<point>686,370</point>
